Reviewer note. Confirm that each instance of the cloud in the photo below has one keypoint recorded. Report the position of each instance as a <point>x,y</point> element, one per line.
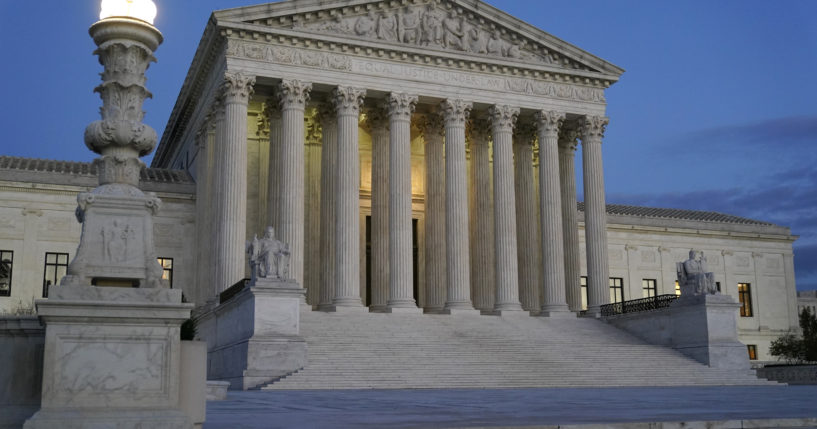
<point>791,131</point>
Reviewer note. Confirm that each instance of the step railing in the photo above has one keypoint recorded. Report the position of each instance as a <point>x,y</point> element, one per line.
<point>638,305</point>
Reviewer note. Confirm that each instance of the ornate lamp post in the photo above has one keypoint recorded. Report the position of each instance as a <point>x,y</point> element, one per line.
<point>112,355</point>
<point>116,248</point>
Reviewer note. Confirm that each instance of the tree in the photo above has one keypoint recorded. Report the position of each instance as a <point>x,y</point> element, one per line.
<point>795,348</point>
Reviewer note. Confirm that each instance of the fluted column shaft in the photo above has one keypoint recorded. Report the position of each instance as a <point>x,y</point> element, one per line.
<point>482,246</point>
<point>507,280</point>
<point>204,169</point>
<point>401,271</point>
<point>230,205</point>
<point>378,123</point>
<point>550,204</point>
<point>292,96</point>
<point>570,219</point>
<point>312,210</point>
<point>455,113</point>
<point>275,149</point>
<point>595,214</point>
<point>347,222</point>
<point>329,124</point>
<point>528,241</point>
<point>435,236</point>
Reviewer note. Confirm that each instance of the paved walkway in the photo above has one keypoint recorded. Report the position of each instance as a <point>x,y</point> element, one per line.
<point>517,407</point>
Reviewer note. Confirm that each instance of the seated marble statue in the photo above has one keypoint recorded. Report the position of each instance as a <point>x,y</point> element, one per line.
<point>269,257</point>
<point>694,277</point>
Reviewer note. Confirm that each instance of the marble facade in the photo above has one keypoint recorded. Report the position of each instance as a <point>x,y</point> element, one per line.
<point>452,125</point>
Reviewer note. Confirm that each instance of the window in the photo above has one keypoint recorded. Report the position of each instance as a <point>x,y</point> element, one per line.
<point>583,284</point>
<point>649,288</point>
<point>745,298</point>
<point>752,351</point>
<point>6,263</point>
<point>718,286</point>
<point>167,270</point>
<point>616,289</point>
<point>677,288</point>
<point>56,264</point>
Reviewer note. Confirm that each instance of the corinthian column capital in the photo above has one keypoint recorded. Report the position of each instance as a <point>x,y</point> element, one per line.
<point>293,94</point>
<point>592,127</point>
<point>401,105</point>
<point>347,100</point>
<point>376,119</point>
<point>479,130</point>
<point>567,138</point>
<point>549,122</point>
<point>455,111</point>
<point>524,133</point>
<point>503,117</point>
<point>237,88</point>
<point>431,124</point>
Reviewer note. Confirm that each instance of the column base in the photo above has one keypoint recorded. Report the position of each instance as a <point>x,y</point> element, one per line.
<point>555,314</point>
<point>460,311</point>
<point>336,308</point>
<point>404,310</point>
<point>508,307</point>
<point>593,313</point>
<point>511,313</point>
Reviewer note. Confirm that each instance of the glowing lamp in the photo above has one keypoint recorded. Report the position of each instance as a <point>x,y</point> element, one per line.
<point>144,10</point>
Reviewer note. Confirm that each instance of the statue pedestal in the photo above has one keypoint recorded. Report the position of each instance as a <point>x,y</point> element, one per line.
<point>252,337</point>
<point>112,358</point>
<point>704,327</point>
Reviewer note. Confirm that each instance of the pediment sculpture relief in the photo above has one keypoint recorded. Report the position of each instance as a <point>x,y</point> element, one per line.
<point>428,26</point>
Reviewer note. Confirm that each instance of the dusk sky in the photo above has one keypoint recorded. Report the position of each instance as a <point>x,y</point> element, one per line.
<point>717,109</point>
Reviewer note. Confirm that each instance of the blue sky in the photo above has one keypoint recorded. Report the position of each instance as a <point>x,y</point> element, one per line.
<point>716,110</point>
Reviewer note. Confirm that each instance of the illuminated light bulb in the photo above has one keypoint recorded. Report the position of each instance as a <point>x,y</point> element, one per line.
<point>144,10</point>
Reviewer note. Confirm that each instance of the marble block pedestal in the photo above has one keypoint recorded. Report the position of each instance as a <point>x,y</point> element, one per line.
<point>704,327</point>
<point>112,358</point>
<point>252,337</point>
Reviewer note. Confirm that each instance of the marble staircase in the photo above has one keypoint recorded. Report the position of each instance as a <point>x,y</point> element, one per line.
<point>414,351</point>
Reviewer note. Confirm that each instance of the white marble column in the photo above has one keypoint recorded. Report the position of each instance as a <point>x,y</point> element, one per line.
<point>230,169</point>
<point>482,237</point>
<point>455,113</point>
<point>595,215</point>
<point>554,301</point>
<point>527,218</point>
<point>312,208</point>
<point>401,270</point>
<point>507,275</point>
<point>435,273</point>
<point>570,218</point>
<point>347,191</point>
<point>377,121</point>
<point>273,114</point>
<point>292,98</point>
<point>329,139</point>
<point>204,173</point>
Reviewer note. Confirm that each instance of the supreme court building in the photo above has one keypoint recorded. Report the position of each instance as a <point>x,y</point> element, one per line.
<point>416,155</point>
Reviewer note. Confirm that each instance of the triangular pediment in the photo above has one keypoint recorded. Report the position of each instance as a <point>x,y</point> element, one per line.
<point>465,27</point>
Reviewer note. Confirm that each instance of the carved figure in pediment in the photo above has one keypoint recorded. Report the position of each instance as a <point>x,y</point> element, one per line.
<point>496,46</point>
<point>432,33</point>
<point>408,25</point>
<point>387,27</point>
<point>473,40</point>
<point>453,36</point>
<point>366,25</point>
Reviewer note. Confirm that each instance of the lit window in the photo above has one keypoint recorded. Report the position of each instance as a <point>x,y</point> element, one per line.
<point>167,270</point>
<point>6,263</point>
<point>583,284</point>
<point>752,351</point>
<point>677,288</point>
<point>649,288</point>
<point>616,290</point>
<point>56,265</point>
<point>745,298</point>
